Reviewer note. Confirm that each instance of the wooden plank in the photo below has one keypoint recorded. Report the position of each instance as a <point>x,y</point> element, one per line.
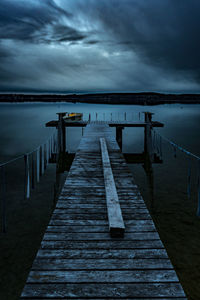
<point>98,264</point>
<point>174,298</point>
<point>101,276</point>
<point>61,227</point>
<point>105,245</point>
<point>136,225</point>
<point>101,253</point>
<point>115,219</point>
<point>91,290</point>
<point>89,205</point>
<point>96,229</point>
<point>136,216</point>
<point>101,210</point>
<point>99,236</point>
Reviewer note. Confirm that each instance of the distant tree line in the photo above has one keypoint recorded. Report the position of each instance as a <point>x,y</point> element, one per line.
<point>105,98</point>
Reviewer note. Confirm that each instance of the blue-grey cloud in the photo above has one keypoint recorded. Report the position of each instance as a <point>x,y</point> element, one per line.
<point>91,45</point>
<point>35,21</point>
<point>164,33</point>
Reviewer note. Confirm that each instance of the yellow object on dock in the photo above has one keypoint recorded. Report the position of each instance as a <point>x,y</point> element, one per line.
<point>73,116</point>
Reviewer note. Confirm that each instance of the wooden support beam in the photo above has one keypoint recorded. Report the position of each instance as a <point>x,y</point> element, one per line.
<point>61,133</point>
<point>54,123</point>
<point>148,147</point>
<point>119,136</point>
<point>115,219</point>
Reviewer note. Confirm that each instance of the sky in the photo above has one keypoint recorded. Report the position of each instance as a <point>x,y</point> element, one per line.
<point>81,46</point>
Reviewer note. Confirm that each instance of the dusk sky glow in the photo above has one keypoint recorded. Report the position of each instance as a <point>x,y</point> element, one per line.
<point>100,46</point>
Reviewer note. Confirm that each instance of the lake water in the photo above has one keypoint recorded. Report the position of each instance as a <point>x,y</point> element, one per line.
<point>23,125</point>
<point>164,187</point>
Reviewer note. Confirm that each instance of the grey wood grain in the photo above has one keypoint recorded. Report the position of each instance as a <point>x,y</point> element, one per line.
<point>99,263</point>
<point>91,290</point>
<point>101,253</point>
<point>78,259</point>
<point>107,245</point>
<point>102,276</point>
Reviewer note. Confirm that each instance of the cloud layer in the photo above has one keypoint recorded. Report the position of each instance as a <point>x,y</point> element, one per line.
<point>91,46</point>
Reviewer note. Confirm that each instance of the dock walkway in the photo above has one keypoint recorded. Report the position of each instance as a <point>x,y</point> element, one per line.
<point>78,259</point>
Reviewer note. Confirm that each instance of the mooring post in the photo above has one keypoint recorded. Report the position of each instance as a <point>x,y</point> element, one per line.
<point>61,133</point>
<point>148,148</point>
<point>119,135</point>
<point>61,152</point>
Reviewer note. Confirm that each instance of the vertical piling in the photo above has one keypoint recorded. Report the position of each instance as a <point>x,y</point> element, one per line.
<point>3,197</point>
<point>119,136</point>
<point>61,133</point>
<point>148,147</point>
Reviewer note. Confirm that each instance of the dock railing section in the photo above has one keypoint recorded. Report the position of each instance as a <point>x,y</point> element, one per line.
<point>34,165</point>
<point>158,140</point>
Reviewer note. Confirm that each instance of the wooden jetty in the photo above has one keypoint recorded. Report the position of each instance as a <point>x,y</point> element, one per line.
<point>78,258</point>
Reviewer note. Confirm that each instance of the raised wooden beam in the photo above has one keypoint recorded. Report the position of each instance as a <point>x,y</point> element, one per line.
<point>54,123</point>
<point>115,219</point>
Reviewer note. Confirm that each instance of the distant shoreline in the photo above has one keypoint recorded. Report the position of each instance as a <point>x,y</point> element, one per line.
<point>107,98</point>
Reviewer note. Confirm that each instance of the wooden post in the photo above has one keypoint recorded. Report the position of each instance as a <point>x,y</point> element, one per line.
<point>3,197</point>
<point>61,153</point>
<point>148,147</point>
<point>119,135</point>
<point>61,133</point>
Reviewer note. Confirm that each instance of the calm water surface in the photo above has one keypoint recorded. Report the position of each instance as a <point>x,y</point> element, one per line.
<point>23,125</point>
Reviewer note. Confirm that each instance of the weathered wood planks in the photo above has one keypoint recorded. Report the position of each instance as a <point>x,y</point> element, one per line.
<point>115,219</point>
<point>78,259</point>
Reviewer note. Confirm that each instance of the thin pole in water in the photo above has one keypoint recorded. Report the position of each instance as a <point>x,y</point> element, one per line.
<point>33,171</point>
<point>198,189</point>
<point>3,202</point>
<point>26,177</point>
<point>38,164</point>
<point>25,173</point>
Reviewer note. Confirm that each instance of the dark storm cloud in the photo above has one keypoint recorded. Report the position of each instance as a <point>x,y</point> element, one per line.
<point>35,21</point>
<point>100,45</point>
<point>164,33</point>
